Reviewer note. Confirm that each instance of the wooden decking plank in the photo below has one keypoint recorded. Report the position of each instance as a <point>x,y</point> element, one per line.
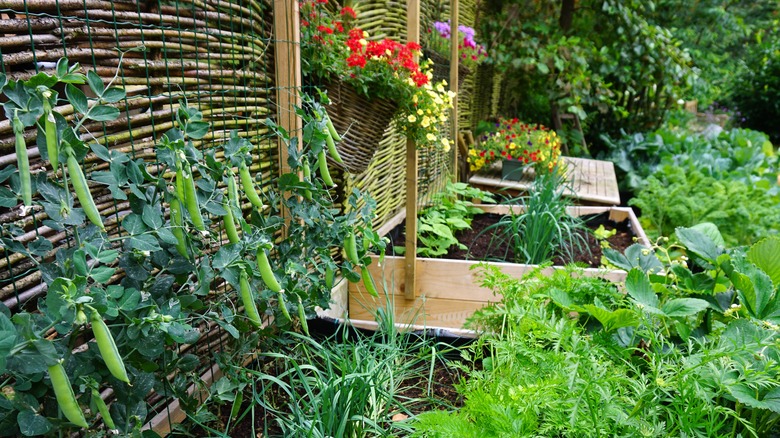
<point>589,181</point>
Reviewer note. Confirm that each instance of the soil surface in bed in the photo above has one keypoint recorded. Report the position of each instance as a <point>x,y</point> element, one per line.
<point>481,244</point>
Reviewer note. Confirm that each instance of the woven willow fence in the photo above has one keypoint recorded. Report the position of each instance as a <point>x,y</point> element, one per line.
<point>215,55</point>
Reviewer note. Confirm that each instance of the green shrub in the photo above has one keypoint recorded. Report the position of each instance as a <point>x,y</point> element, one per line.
<point>756,89</point>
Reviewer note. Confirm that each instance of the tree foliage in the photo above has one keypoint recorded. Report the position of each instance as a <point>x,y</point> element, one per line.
<point>602,60</point>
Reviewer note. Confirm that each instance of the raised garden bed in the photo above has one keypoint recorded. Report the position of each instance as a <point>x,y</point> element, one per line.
<point>447,292</point>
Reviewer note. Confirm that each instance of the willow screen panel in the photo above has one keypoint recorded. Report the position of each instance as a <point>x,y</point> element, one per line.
<point>214,56</point>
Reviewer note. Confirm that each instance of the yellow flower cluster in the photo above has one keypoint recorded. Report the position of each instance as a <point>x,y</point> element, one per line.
<point>428,110</point>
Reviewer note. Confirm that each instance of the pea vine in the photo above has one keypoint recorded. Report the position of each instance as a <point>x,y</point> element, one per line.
<point>194,245</point>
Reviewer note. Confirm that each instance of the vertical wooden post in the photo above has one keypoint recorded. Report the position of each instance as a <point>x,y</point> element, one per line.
<point>410,258</point>
<point>454,63</point>
<point>287,33</point>
<point>287,53</point>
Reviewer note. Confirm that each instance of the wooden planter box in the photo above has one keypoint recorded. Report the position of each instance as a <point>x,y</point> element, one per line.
<point>447,292</point>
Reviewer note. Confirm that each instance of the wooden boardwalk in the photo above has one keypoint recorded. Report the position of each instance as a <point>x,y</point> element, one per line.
<point>589,181</point>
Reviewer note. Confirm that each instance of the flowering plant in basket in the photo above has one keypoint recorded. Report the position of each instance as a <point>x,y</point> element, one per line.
<point>471,53</point>
<point>531,144</point>
<point>333,48</point>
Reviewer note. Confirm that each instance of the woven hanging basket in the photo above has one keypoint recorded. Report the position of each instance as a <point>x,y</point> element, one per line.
<point>361,123</point>
<point>441,68</point>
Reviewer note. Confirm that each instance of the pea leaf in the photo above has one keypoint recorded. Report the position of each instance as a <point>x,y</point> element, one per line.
<point>77,98</point>
<point>102,274</point>
<point>95,83</point>
<point>134,224</point>
<point>32,424</point>
<point>104,113</point>
<point>152,216</point>
<point>113,94</point>
<point>144,242</point>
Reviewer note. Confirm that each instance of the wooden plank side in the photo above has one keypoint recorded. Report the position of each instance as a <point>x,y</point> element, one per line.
<point>448,291</point>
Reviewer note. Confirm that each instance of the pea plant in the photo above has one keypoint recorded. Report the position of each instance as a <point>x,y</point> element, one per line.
<point>185,253</point>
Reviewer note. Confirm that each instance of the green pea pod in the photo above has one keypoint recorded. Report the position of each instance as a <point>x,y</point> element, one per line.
<point>177,229</point>
<point>191,200</point>
<point>368,282</point>
<point>307,178</point>
<point>245,290</point>
<point>107,347</point>
<point>283,305</point>
<point>302,317</point>
<point>350,247</point>
<point>266,273</point>
<point>332,131</point>
<point>179,182</point>
<point>232,190</point>
<point>50,130</point>
<point>330,275</point>
<point>66,398</point>
<point>103,409</point>
<point>334,153</point>
<point>23,161</point>
<point>230,223</point>
<point>324,172</point>
<point>249,187</point>
<point>82,191</point>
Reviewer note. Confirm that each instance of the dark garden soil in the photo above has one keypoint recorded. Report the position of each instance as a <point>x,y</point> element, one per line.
<point>481,244</point>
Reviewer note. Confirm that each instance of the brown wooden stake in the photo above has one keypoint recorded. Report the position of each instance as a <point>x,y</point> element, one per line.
<point>412,34</point>
<point>454,63</point>
<point>287,54</point>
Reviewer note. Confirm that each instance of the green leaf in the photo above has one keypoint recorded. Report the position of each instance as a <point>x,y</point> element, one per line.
<point>772,400</point>
<point>144,242</point>
<point>766,255</point>
<point>101,151</point>
<point>103,113</point>
<point>710,230</point>
<point>612,320</point>
<point>113,94</point>
<point>698,243</point>
<point>196,130</point>
<point>226,255</point>
<point>635,256</point>
<point>134,224</point>
<point>95,83</point>
<point>683,307</point>
<point>41,79</point>
<point>77,98</point>
<point>152,216</point>
<point>102,274</point>
<point>32,424</point>
<point>130,300</point>
<point>746,396</point>
<point>639,288</point>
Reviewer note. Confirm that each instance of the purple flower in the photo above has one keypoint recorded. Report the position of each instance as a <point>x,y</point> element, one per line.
<point>442,28</point>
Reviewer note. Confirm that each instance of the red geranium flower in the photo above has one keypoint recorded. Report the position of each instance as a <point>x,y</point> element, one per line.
<point>325,29</point>
<point>356,60</point>
<point>346,10</point>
